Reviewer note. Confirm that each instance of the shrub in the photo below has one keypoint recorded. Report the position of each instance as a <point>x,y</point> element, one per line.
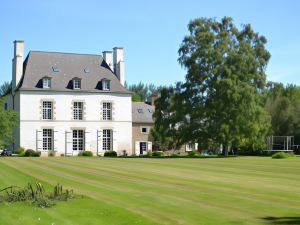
<point>282,155</point>
<point>62,155</point>
<point>156,154</point>
<point>124,152</point>
<point>86,153</point>
<point>32,153</point>
<point>149,153</point>
<point>192,153</point>
<point>110,153</point>
<point>291,154</point>
<point>51,153</point>
<point>174,155</point>
<point>20,151</point>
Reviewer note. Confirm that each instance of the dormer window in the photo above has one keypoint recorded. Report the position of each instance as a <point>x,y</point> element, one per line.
<point>76,83</point>
<point>46,82</point>
<point>105,85</point>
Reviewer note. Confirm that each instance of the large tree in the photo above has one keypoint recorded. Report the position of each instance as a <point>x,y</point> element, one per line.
<point>8,122</point>
<point>221,96</point>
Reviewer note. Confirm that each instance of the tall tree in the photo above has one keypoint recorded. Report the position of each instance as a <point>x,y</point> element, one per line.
<point>8,122</point>
<point>221,96</point>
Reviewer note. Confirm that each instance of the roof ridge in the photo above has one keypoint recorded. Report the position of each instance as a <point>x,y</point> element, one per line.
<point>69,53</point>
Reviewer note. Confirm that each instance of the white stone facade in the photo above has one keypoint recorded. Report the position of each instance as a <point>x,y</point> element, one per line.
<point>29,135</point>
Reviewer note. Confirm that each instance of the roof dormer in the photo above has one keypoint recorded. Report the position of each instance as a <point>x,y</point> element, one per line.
<point>46,82</point>
<point>76,83</point>
<point>105,84</point>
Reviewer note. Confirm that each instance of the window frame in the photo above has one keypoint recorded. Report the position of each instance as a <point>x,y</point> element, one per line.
<point>105,85</point>
<point>146,132</point>
<point>78,140</point>
<point>76,84</point>
<point>46,82</point>
<point>77,110</point>
<point>106,111</point>
<point>107,139</point>
<point>47,110</point>
<point>48,139</point>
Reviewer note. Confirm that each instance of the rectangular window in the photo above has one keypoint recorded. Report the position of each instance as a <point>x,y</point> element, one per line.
<point>144,130</point>
<point>46,83</point>
<point>106,85</point>
<point>77,110</point>
<point>47,110</point>
<point>107,111</point>
<point>107,140</point>
<point>78,140</point>
<point>47,139</point>
<point>76,84</point>
<point>5,106</point>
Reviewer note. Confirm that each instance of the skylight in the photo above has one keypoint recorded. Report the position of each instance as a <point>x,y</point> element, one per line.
<point>140,111</point>
<point>55,69</point>
<point>86,70</point>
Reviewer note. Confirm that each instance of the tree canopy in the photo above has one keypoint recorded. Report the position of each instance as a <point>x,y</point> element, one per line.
<point>220,101</point>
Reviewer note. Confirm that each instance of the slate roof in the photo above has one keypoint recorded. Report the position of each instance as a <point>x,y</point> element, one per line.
<point>142,112</point>
<point>91,69</point>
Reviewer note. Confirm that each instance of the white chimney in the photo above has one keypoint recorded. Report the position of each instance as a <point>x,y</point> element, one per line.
<point>17,63</point>
<point>107,56</point>
<point>119,65</point>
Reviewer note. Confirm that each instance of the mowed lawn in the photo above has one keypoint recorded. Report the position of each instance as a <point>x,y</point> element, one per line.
<point>242,190</point>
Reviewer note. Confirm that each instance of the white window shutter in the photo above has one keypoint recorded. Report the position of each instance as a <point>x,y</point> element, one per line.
<point>196,146</point>
<point>87,140</point>
<point>55,140</point>
<point>100,142</point>
<point>137,147</point>
<point>149,145</point>
<point>114,141</point>
<point>39,140</point>
<point>69,143</point>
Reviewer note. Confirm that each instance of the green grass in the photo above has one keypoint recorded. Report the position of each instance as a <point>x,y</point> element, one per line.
<point>241,190</point>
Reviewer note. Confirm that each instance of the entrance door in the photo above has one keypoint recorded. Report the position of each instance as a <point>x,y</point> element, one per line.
<point>143,147</point>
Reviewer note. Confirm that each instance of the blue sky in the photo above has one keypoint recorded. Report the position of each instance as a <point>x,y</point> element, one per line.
<point>150,31</point>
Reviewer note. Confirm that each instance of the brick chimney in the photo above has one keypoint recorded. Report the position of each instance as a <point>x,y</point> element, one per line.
<point>17,63</point>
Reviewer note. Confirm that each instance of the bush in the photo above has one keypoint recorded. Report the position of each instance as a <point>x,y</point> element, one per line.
<point>86,153</point>
<point>20,151</point>
<point>32,153</point>
<point>110,154</point>
<point>51,153</point>
<point>174,155</point>
<point>157,154</point>
<point>282,155</point>
<point>192,153</point>
<point>149,153</point>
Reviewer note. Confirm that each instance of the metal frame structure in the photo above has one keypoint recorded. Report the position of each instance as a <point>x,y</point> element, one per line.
<point>280,143</point>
